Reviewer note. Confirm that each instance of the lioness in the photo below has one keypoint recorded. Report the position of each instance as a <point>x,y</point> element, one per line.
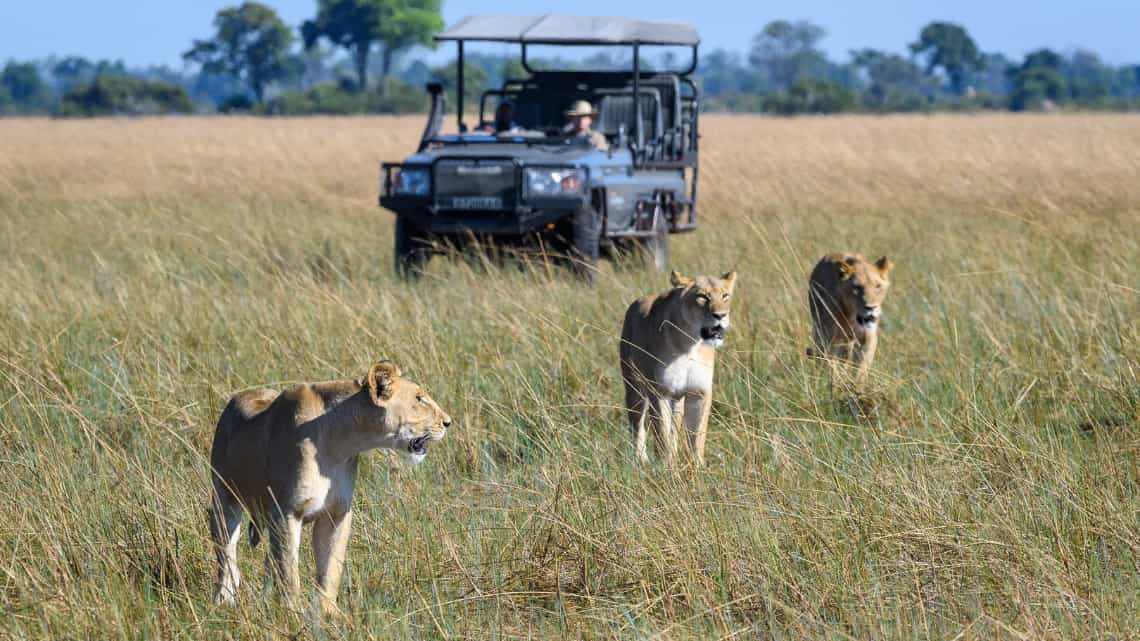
<point>290,458</point>
<point>668,347</point>
<point>846,294</point>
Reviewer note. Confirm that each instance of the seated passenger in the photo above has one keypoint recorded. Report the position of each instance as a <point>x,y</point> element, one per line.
<point>504,119</point>
<point>581,118</point>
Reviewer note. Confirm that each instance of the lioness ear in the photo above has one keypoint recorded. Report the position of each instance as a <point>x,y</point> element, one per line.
<point>730,278</point>
<point>884,264</point>
<point>678,280</point>
<point>381,381</point>
<point>845,267</point>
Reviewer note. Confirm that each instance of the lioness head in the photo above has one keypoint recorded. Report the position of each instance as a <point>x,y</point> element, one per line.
<point>863,286</point>
<point>704,304</point>
<point>411,418</point>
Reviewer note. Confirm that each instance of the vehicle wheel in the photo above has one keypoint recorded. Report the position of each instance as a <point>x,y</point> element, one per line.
<point>584,242</point>
<point>655,248</point>
<point>411,253</point>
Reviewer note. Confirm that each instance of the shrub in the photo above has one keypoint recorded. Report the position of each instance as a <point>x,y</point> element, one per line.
<point>237,103</point>
<point>336,99</point>
<point>125,95</point>
<point>811,97</point>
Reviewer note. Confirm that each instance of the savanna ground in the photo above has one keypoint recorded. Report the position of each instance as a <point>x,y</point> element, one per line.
<point>149,268</point>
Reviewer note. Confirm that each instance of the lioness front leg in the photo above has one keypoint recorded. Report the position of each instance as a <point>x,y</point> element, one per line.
<point>330,537</point>
<point>225,530</point>
<point>284,554</point>
<point>697,410</point>
<point>665,427</point>
<point>865,356</point>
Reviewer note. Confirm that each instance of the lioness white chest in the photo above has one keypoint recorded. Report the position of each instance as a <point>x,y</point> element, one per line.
<point>318,493</point>
<point>314,493</point>
<point>688,373</point>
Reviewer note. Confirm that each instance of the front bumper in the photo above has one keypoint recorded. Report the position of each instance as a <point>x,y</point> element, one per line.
<point>508,223</point>
<point>527,213</point>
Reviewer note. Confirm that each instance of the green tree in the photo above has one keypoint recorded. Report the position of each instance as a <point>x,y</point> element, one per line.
<point>786,52</point>
<point>1089,80</point>
<point>25,89</point>
<point>357,25</point>
<point>251,43</point>
<point>71,71</point>
<point>893,82</point>
<point>992,75</point>
<point>1037,80</point>
<point>722,72</point>
<point>949,47</point>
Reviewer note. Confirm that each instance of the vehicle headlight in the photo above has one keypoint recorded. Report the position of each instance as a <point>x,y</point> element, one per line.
<point>412,181</point>
<point>555,182</point>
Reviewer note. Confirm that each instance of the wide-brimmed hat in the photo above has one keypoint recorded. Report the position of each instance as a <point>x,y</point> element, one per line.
<point>581,108</point>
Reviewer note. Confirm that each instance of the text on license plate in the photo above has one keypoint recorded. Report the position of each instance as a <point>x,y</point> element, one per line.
<point>477,202</point>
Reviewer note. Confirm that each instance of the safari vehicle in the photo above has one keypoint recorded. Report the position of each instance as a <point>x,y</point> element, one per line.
<point>533,179</point>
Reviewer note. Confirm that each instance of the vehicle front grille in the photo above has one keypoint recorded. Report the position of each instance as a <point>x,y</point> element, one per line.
<point>475,184</point>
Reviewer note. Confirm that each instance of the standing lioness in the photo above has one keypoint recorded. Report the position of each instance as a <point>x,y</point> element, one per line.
<point>846,295</point>
<point>668,348</point>
<point>290,458</point>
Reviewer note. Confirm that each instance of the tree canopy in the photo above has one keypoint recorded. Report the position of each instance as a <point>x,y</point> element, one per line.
<point>789,52</point>
<point>357,25</point>
<point>1037,80</point>
<point>24,89</point>
<point>949,47</point>
<point>894,82</point>
<point>251,43</point>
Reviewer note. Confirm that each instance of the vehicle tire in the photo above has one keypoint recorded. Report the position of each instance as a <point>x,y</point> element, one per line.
<point>410,251</point>
<point>584,242</point>
<point>655,249</point>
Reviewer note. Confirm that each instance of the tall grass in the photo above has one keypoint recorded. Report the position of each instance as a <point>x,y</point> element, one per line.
<point>149,268</point>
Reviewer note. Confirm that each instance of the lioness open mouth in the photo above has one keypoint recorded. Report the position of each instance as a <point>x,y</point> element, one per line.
<point>866,320</point>
<point>418,446</point>
<point>715,333</point>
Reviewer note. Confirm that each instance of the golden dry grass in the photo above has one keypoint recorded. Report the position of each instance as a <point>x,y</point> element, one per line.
<point>151,267</point>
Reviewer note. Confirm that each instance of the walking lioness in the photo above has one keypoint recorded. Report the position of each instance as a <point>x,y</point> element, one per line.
<point>668,348</point>
<point>290,458</point>
<point>846,295</point>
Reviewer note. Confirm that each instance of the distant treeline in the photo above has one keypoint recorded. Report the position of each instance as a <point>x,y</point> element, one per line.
<point>359,56</point>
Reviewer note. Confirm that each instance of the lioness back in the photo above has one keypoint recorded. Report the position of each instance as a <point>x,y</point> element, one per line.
<point>243,408</point>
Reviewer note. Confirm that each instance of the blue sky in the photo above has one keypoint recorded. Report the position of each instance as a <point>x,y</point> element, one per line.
<point>157,31</point>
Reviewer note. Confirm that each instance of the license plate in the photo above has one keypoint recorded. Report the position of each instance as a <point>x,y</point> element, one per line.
<point>477,202</point>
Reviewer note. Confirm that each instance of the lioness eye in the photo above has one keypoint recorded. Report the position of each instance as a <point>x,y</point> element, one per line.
<point>702,299</point>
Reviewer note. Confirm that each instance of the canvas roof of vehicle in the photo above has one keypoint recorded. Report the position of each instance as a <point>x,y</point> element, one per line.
<point>570,30</point>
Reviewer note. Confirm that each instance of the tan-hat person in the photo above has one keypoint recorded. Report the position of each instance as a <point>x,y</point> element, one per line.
<point>581,117</point>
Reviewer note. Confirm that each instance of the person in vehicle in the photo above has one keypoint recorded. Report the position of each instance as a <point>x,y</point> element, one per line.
<point>580,118</point>
<point>504,119</point>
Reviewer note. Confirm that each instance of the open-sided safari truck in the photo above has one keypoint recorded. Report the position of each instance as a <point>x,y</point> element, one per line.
<point>534,178</point>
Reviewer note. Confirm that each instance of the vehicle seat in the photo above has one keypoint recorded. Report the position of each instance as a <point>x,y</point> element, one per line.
<point>616,109</point>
